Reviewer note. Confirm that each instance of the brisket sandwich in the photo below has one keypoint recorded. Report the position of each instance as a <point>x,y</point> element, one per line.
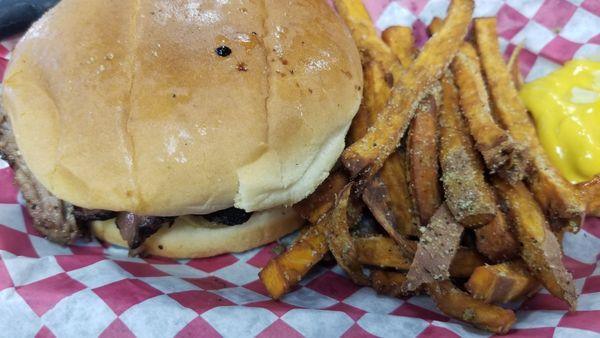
<point>178,128</point>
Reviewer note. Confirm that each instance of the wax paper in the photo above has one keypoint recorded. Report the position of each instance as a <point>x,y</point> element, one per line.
<point>90,289</point>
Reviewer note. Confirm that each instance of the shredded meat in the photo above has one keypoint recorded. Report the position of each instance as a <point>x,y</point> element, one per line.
<point>51,216</point>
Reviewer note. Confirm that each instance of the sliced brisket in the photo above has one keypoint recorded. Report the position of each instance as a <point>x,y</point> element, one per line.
<point>136,229</point>
<point>88,215</point>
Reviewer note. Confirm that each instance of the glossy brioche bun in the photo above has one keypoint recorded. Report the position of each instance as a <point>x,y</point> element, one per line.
<point>126,106</point>
<point>195,237</point>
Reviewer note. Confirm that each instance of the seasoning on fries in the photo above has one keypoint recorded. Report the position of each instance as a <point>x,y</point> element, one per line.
<point>423,169</point>
<point>366,156</point>
<point>541,250</point>
<point>460,305</point>
<point>439,221</point>
<point>393,174</point>
<point>422,139</point>
<point>557,196</point>
<point>467,194</point>
<point>500,154</point>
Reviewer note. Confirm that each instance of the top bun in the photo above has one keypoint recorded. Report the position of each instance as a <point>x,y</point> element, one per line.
<point>125,105</point>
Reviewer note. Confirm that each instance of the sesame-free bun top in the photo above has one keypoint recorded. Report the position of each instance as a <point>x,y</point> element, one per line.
<point>125,105</point>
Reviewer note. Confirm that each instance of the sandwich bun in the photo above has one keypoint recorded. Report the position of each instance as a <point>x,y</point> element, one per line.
<point>169,108</point>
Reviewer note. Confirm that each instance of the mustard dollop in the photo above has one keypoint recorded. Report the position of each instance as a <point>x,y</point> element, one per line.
<point>566,108</point>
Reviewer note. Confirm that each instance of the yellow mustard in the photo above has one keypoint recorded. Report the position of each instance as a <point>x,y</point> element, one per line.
<point>566,108</point>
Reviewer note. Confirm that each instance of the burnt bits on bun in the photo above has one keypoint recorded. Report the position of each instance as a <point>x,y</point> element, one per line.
<point>176,108</point>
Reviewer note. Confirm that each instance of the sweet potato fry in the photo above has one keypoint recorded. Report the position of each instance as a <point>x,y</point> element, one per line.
<point>465,262</point>
<point>500,153</point>
<point>402,43</point>
<point>389,283</point>
<point>422,148</point>
<point>323,199</point>
<point>384,252</point>
<point>395,176</point>
<point>496,241</point>
<point>366,156</point>
<point>436,25</point>
<point>388,198</point>
<point>381,252</point>
<point>541,250</point>
<point>366,37</point>
<point>468,195</point>
<point>375,197</point>
<point>591,195</point>
<point>392,185</point>
<point>395,171</point>
<point>458,304</point>
<point>339,240</point>
<point>501,283</point>
<point>375,93</point>
<point>435,251</point>
<point>283,272</point>
<point>513,66</point>
<point>557,196</point>
<point>422,140</point>
<point>360,122</point>
<point>380,89</point>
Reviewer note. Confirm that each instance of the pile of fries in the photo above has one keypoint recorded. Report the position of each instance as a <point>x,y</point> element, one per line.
<point>444,156</point>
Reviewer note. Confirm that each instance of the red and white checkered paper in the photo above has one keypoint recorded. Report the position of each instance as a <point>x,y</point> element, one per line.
<point>89,289</point>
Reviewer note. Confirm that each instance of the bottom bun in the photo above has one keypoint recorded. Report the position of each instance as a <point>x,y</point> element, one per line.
<point>195,237</point>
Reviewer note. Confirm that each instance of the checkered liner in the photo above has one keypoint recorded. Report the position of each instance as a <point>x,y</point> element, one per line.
<point>89,289</point>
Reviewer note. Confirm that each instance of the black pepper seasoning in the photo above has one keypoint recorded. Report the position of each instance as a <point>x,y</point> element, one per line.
<point>223,51</point>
